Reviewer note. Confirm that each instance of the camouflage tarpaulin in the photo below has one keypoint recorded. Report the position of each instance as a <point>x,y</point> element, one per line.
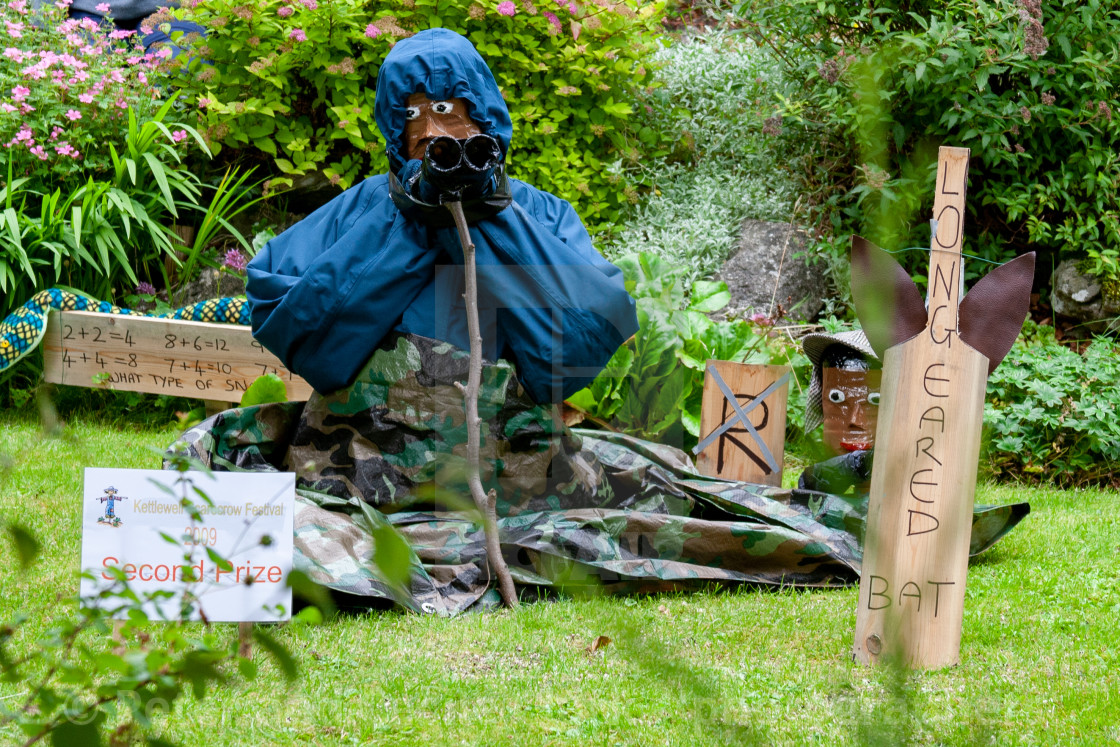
<point>575,506</point>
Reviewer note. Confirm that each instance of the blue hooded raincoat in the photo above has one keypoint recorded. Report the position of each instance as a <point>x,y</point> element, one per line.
<point>326,292</point>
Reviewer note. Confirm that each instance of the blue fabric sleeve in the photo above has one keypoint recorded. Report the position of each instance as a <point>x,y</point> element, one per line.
<point>326,292</point>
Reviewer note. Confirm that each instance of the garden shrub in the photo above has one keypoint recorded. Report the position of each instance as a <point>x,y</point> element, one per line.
<point>1051,412</point>
<point>714,167</point>
<point>91,157</point>
<point>653,386</point>
<point>1028,86</point>
<point>293,83</point>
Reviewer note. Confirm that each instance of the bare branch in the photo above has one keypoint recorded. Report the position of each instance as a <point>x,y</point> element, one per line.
<point>487,504</point>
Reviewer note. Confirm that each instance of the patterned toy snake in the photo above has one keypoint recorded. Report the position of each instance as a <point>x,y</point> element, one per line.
<point>24,328</point>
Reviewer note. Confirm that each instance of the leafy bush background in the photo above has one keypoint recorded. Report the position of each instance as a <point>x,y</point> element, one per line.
<point>1051,412</point>
<point>91,162</point>
<point>293,84</point>
<point>1030,87</point>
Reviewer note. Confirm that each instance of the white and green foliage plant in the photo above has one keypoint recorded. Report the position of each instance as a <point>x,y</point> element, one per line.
<point>719,167</point>
<point>87,677</point>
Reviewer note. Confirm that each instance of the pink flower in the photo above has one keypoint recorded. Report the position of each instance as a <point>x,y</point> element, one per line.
<point>133,60</point>
<point>146,289</point>
<point>372,32</point>
<point>7,107</point>
<point>19,93</point>
<point>73,115</point>
<point>203,102</point>
<point>102,8</point>
<point>38,151</point>
<point>179,136</point>
<point>19,6</point>
<point>297,35</point>
<point>14,29</point>
<point>284,12</point>
<point>235,260</point>
<point>66,149</point>
<point>553,20</point>
<point>309,4</point>
<point>14,54</point>
<point>507,8</point>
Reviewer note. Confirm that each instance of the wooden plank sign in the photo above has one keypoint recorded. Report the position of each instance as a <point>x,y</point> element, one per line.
<point>743,422</point>
<point>911,595</point>
<point>159,356</point>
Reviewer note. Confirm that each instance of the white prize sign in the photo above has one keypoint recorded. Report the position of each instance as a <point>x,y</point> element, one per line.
<point>126,517</point>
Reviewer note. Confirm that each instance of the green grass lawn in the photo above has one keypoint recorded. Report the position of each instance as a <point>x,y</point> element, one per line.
<point>1039,658</point>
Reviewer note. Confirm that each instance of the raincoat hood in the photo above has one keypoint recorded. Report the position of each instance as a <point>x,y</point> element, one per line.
<point>442,65</point>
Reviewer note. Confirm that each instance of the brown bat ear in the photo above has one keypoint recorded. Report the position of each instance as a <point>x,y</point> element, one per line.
<point>889,306</point>
<point>992,314</point>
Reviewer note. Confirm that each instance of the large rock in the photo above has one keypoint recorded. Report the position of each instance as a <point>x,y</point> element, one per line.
<point>211,283</point>
<point>1080,297</point>
<point>764,260</point>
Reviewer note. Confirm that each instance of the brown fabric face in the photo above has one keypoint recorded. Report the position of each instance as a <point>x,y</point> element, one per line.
<point>427,119</point>
<point>993,312</point>
<point>889,306</point>
<point>850,400</point>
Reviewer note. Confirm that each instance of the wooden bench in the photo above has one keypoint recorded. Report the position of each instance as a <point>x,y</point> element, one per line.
<point>207,361</point>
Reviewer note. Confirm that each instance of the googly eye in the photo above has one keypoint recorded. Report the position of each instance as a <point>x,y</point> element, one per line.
<point>835,396</point>
<point>873,398</point>
<point>412,112</point>
<point>443,107</point>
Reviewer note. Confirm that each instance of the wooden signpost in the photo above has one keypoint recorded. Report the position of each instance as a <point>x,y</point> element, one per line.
<point>208,361</point>
<point>911,596</point>
<point>743,422</point>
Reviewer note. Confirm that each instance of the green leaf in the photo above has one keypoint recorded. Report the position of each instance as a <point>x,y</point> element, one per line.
<point>709,296</point>
<point>221,562</point>
<point>304,588</point>
<point>70,734</point>
<point>248,667</point>
<point>27,547</point>
<point>391,554</point>
<point>265,389</point>
<point>278,652</point>
<point>309,616</point>
<point>159,174</point>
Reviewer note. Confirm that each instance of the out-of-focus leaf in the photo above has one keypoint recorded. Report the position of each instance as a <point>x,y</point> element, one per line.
<point>265,390</point>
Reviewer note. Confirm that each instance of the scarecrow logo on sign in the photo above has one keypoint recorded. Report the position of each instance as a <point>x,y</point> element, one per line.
<point>109,499</point>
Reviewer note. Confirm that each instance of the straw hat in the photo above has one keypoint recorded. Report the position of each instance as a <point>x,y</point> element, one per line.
<point>814,345</point>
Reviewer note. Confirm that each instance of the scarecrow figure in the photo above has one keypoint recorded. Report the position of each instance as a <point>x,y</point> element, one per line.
<point>844,396</point>
<point>109,499</point>
<point>379,259</point>
<point>364,299</point>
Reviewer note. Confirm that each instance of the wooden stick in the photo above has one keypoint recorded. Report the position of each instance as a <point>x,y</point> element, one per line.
<point>487,503</point>
<point>245,640</point>
<point>911,597</point>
